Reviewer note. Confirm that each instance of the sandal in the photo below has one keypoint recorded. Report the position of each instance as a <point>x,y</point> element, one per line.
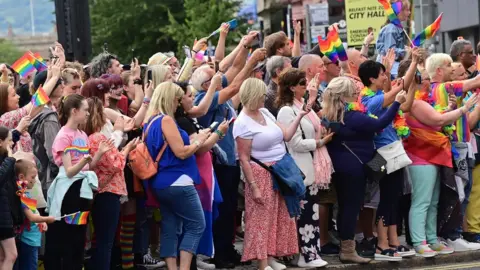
<point>387,255</point>
<point>403,251</point>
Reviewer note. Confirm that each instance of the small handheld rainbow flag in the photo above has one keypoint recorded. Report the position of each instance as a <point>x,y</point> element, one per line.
<point>337,44</point>
<point>326,47</point>
<point>78,218</point>
<point>390,12</point>
<point>23,66</point>
<point>40,97</point>
<point>37,63</point>
<point>428,32</point>
<point>78,149</point>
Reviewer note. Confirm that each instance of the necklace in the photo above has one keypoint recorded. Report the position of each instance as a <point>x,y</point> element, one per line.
<point>399,123</point>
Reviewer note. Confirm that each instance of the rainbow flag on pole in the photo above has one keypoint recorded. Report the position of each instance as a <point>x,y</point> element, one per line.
<point>40,97</point>
<point>428,32</point>
<point>390,11</point>
<point>23,66</point>
<point>78,218</point>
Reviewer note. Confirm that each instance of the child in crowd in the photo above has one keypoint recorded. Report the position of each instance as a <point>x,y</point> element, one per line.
<point>31,235</point>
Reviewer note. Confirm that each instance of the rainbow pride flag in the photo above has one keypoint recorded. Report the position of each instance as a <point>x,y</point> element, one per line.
<point>37,63</point>
<point>337,44</point>
<point>428,32</point>
<point>390,12</point>
<point>28,203</point>
<point>40,97</point>
<point>23,66</point>
<point>78,218</point>
<point>326,47</point>
<point>77,149</point>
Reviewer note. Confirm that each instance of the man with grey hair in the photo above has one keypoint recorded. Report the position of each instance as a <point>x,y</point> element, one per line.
<point>312,65</point>
<point>105,63</point>
<point>275,65</point>
<point>462,52</point>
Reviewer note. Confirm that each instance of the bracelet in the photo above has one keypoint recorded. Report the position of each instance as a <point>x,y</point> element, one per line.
<point>247,47</point>
<point>146,100</point>
<point>220,134</point>
<point>194,51</point>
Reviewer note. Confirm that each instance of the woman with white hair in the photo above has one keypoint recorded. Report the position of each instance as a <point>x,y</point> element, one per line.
<point>173,185</point>
<point>350,149</point>
<point>270,230</point>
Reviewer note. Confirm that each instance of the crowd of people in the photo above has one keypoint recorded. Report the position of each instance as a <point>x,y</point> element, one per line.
<point>295,154</point>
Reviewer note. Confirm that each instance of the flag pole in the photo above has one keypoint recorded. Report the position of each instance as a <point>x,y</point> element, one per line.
<point>409,39</point>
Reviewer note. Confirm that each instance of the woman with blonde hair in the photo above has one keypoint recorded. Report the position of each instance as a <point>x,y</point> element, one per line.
<point>270,229</point>
<point>173,185</point>
<point>160,74</point>
<point>351,147</point>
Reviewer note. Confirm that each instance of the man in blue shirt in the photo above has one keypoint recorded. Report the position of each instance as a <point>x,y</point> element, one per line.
<point>228,172</point>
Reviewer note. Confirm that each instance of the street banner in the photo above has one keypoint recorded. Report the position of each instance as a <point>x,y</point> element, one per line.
<point>363,16</point>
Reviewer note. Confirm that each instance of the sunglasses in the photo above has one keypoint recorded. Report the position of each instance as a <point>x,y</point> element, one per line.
<point>302,82</point>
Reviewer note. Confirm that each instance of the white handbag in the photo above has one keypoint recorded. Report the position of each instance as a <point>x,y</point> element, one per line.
<point>395,156</point>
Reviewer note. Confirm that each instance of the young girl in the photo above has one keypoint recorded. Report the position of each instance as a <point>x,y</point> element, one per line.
<point>111,186</point>
<point>8,250</point>
<point>31,235</point>
<point>65,243</point>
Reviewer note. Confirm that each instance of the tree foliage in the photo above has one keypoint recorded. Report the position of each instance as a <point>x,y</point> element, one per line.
<point>125,25</point>
<point>200,18</point>
<point>9,53</point>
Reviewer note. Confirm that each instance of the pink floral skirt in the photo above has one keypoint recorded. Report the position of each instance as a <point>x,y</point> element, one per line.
<point>269,230</point>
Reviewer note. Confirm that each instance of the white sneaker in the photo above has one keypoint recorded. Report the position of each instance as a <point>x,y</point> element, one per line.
<point>267,268</point>
<point>275,265</point>
<point>204,265</point>
<point>461,245</point>
<point>316,263</point>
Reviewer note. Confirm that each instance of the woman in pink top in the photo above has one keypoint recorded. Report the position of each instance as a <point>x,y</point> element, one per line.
<point>111,184</point>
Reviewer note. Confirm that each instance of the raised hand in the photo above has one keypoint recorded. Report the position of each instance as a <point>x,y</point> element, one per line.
<point>224,28</point>
<point>297,27</point>
<point>135,67</point>
<point>223,127</point>
<point>389,59</point>
<point>250,37</point>
<point>24,124</point>
<point>258,55</point>
<point>202,43</point>
<point>119,124</point>
<point>106,146</point>
<point>129,125</point>
<point>471,101</point>
<point>149,89</point>
<point>368,39</point>
<point>401,97</point>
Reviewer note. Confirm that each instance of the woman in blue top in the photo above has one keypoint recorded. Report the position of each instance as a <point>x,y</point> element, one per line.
<point>393,37</point>
<point>173,185</point>
<point>350,148</point>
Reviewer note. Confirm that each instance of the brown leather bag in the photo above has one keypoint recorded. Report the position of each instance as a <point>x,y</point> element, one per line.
<point>139,159</point>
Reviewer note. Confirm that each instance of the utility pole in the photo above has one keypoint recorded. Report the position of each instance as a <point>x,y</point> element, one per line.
<point>32,18</point>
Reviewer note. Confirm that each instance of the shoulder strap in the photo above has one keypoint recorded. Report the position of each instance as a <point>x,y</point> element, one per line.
<point>350,150</point>
<point>261,164</point>
<point>145,133</point>
<point>301,129</point>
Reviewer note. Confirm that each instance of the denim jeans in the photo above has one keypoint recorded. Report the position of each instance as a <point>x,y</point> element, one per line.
<point>181,213</point>
<point>142,230</point>
<point>27,257</point>
<point>105,214</point>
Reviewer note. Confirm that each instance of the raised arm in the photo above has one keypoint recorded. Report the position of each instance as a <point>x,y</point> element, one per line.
<point>366,43</point>
<point>470,84</point>
<point>231,90</point>
<point>296,39</point>
<point>220,49</point>
<point>202,108</point>
<point>239,62</point>
<point>228,60</point>
<point>365,123</point>
<point>407,106</point>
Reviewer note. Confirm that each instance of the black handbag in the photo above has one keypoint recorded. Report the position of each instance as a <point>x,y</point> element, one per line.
<point>375,169</point>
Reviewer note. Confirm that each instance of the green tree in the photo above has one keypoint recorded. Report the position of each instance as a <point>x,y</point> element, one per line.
<point>200,18</point>
<point>125,25</point>
<point>8,52</point>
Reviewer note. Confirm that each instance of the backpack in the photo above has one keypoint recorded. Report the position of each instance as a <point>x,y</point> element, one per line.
<point>139,159</point>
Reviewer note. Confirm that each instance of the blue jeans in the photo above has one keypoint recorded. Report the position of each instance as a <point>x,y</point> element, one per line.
<point>27,257</point>
<point>105,214</point>
<point>142,230</point>
<point>181,213</point>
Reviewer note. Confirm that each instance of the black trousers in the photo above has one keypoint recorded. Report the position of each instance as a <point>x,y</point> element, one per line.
<point>65,243</point>
<point>228,178</point>
<point>391,189</point>
<point>350,194</point>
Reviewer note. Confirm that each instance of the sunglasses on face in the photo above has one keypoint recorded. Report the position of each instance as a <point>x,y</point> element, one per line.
<point>302,82</point>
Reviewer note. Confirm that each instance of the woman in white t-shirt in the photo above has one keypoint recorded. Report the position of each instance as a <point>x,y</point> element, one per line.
<point>269,230</point>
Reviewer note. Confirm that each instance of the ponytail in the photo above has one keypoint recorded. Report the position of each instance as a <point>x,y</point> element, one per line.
<point>72,101</point>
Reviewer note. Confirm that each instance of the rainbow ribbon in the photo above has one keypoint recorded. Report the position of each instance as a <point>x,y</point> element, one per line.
<point>428,32</point>
<point>77,149</point>
<point>40,97</point>
<point>390,11</point>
